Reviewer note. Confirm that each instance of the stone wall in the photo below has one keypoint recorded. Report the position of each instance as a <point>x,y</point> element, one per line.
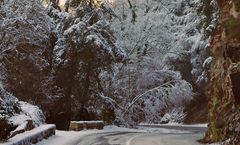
<point>81,125</point>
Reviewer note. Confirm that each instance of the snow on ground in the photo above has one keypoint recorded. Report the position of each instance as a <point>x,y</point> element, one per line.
<point>65,137</point>
<point>177,124</point>
<point>162,130</point>
<point>68,137</point>
<point>145,130</point>
<point>28,112</point>
<point>221,143</point>
<point>19,119</point>
<point>174,128</point>
<point>33,112</point>
<point>98,121</point>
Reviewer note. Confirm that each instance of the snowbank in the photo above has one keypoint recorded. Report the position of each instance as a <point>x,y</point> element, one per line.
<point>176,124</point>
<point>30,117</point>
<point>33,136</point>
<point>196,128</point>
<point>98,121</point>
<point>70,137</point>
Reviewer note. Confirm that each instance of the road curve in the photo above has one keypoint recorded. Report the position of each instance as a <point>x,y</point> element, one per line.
<point>166,139</point>
<point>110,138</point>
<point>127,138</point>
<point>173,135</point>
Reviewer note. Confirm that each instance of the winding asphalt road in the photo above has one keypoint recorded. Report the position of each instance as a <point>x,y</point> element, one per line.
<point>131,138</point>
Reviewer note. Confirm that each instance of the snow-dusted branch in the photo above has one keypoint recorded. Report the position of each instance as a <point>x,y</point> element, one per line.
<point>163,89</point>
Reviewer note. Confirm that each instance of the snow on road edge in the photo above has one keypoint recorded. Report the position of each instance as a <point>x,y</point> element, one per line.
<point>176,124</point>
<point>67,137</point>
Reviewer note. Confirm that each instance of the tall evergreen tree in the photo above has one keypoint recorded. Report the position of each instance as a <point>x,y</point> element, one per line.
<point>84,49</point>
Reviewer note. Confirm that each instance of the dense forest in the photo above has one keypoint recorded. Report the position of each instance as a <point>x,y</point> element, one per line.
<point>121,61</point>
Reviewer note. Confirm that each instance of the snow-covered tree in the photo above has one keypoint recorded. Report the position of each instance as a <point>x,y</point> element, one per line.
<point>164,30</point>
<point>165,40</point>
<point>146,55</point>
<point>25,48</point>
<point>84,49</point>
<point>151,105</point>
<point>27,40</point>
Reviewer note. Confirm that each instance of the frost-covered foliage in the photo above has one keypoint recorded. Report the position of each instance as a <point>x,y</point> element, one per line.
<point>53,57</point>
<point>25,47</point>
<point>176,115</point>
<point>87,35</point>
<point>33,112</point>
<point>24,25</point>
<point>27,112</point>
<point>143,54</point>
<point>84,48</point>
<point>164,29</point>
<point>25,31</point>
<point>151,105</point>
<point>8,103</point>
<point>165,40</point>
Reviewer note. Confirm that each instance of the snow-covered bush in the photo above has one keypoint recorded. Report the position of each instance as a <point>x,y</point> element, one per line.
<point>16,116</point>
<point>176,115</point>
<point>151,105</point>
<point>33,112</point>
<point>165,40</point>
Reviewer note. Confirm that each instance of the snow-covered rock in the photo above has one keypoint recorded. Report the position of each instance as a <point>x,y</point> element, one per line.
<point>33,112</point>
<point>33,136</point>
<point>17,116</point>
<point>174,116</point>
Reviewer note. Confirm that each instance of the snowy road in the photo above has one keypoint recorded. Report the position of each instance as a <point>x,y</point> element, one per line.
<point>156,135</point>
<point>177,135</point>
<point>111,138</point>
<point>139,139</point>
<point>166,139</point>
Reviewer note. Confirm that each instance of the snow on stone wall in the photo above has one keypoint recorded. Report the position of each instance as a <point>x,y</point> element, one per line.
<point>33,136</point>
